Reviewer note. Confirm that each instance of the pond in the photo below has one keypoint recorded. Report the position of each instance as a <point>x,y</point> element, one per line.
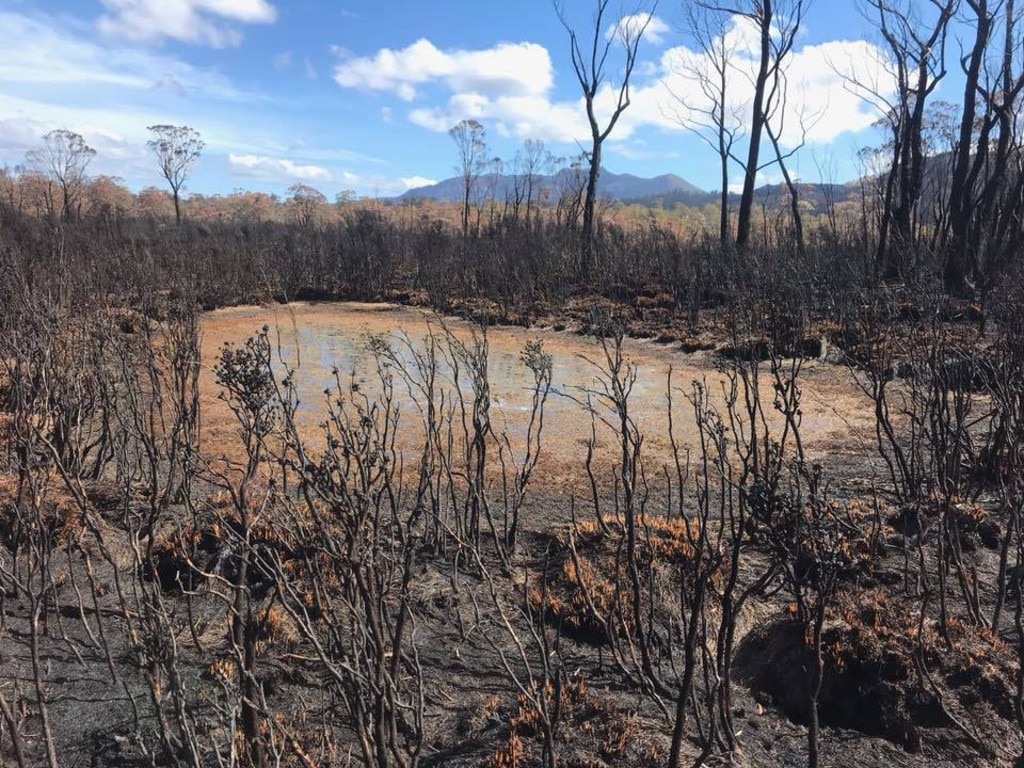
<point>317,339</point>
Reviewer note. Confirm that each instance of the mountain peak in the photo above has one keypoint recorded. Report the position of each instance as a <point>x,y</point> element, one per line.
<point>613,186</point>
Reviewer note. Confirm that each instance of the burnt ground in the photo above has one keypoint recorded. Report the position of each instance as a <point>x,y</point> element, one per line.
<point>872,714</point>
<point>876,708</point>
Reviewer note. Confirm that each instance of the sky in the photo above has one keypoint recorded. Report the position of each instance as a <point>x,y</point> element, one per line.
<point>359,94</point>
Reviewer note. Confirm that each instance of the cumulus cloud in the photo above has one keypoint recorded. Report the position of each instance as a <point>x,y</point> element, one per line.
<point>628,27</point>
<point>204,22</point>
<point>507,69</point>
<point>510,88</point>
<point>818,98</point>
<point>278,168</point>
<point>521,117</point>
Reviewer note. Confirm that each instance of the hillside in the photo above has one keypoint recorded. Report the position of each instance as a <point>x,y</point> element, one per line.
<point>614,186</point>
<point>666,190</point>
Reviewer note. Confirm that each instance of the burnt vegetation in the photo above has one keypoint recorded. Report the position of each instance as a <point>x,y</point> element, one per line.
<point>345,594</point>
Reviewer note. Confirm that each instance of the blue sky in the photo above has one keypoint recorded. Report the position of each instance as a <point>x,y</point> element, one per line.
<point>358,95</point>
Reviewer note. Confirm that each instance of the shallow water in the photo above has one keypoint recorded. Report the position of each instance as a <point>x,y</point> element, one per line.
<point>316,339</point>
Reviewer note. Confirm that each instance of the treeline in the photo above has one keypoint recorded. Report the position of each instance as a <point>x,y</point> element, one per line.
<point>368,253</point>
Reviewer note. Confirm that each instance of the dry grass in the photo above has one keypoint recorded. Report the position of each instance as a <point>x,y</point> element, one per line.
<point>54,511</point>
<point>583,589</point>
<point>591,724</point>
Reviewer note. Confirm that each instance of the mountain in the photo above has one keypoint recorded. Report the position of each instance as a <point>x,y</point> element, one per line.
<point>664,191</point>
<point>614,186</point>
<point>626,186</point>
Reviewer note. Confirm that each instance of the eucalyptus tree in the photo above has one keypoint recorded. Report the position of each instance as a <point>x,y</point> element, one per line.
<point>64,157</point>
<point>468,136</point>
<point>177,148</point>
<point>776,24</point>
<point>590,50</point>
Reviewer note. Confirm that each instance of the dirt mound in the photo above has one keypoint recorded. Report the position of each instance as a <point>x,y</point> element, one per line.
<point>877,681</point>
<point>867,696</point>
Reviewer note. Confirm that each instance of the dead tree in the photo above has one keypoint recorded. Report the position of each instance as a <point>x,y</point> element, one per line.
<point>777,23</point>
<point>708,115</point>
<point>589,61</point>
<point>65,157</point>
<point>468,136</point>
<point>917,60</point>
<point>983,154</point>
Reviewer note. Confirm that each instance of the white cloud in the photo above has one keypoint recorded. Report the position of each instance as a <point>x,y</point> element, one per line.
<point>118,135</point>
<point>509,88</point>
<point>278,168</point>
<point>761,179</point>
<point>19,135</point>
<point>38,54</point>
<point>34,52</point>
<point>378,185</point>
<point>415,182</point>
<point>519,116</point>
<point>640,150</point>
<point>816,93</point>
<point>742,37</point>
<point>628,27</point>
<point>206,22</point>
<point>508,69</point>
<point>282,61</point>
<point>50,75</point>
<point>282,170</point>
<point>51,71</point>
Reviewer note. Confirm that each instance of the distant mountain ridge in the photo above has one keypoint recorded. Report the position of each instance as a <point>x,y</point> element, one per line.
<point>613,186</point>
<point>666,190</point>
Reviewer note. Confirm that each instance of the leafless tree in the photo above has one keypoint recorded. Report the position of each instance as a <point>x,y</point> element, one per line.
<point>982,153</point>
<point>709,114</point>
<point>65,157</point>
<point>494,180</point>
<point>535,157</point>
<point>569,190</point>
<point>917,61</point>
<point>782,154</point>
<point>589,61</point>
<point>177,148</point>
<point>468,136</point>
<point>777,23</point>
<point>528,165</point>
